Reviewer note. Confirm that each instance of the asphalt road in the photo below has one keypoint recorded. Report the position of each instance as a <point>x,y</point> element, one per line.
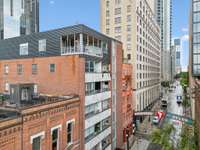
<point>174,108</point>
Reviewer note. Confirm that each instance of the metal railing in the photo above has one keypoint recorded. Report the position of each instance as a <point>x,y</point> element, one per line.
<point>87,50</point>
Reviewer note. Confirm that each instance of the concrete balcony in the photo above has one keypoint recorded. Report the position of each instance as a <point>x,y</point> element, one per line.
<point>98,97</point>
<point>97,77</point>
<point>97,118</point>
<point>93,142</point>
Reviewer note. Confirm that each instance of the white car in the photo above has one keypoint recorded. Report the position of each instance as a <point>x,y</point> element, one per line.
<point>156,120</point>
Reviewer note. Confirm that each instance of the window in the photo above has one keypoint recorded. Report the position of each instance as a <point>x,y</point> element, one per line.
<point>128,28</point>
<point>34,68</point>
<point>117,1</point>
<point>89,132</point>
<point>196,27</point>
<point>23,49</point>
<point>117,20</point>
<point>129,8</point>
<point>128,46</point>
<point>196,48</point>
<point>107,31</point>
<point>7,87</point>
<point>36,140</point>
<point>89,89</point>
<point>129,37</point>
<point>6,69</point>
<point>24,94</point>
<point>107,22</point>
<point>89,66</point>
<point>36,145</point>
<point>70,132</point>
<point>196,17</point>
<point>55,139</point>
<point>42,45</point>
<point>105,104</point>
<point>52,67</point>
<point>107,3</point>
<point>117,29</point>
<point>117,11</point>
<point>107,13</point>
<point>129,56</point>
<point>97,127</point>
<point>196,6</point>
<point>19,69</point>
<point>129,18</point>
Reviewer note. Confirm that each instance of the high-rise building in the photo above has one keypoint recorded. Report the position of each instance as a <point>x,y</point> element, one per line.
<point>194,63</point>
<point>134,23</point>
<point>164,18</point>
<point>18,17</point>
<point>176,43</point>
<point>173,61</point>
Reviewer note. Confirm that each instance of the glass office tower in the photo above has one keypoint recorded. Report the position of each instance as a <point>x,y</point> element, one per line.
<point>18,17</point>
<point>196,38</point>
<point>163,11</point>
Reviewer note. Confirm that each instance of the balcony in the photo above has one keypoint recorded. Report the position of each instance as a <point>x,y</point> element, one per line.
<point>97,77</point>
<point>97,118</point>
<point>96,97</point>
<point>82,44</point>
<point>87,50</point>
<point>96,138</point>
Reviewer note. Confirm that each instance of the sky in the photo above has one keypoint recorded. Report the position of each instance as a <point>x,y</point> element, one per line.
<point>61,13</point>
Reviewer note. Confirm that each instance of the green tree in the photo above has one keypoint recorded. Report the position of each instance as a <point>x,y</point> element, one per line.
<point>162,137</point>
<point>188,141</point>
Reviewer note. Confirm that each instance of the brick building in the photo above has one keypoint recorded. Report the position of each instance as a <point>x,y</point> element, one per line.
<point>50,123</point>
<point>125,115</point>
<point>74,60</point>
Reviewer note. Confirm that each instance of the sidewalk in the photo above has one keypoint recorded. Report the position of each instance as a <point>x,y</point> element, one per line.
<point>146,126</point>
<point>140,144</point>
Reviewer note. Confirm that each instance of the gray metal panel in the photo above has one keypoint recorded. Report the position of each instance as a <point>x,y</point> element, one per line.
<point>9,48</point>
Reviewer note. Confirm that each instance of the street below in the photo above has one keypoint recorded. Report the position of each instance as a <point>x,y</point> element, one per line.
<point>176,109</point>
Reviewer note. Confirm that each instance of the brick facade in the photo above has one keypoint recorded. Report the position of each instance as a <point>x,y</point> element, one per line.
<point>15,134</point>
<point>67,79</point>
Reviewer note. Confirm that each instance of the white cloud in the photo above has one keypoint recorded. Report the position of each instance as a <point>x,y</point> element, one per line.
<point>184,29</point>
<point>185,38</point>
<point>51,2</point>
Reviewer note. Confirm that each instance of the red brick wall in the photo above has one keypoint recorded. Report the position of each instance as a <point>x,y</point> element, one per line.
<point>119,124</point>
<point>52,118</point>
<point>69,78</point>
<point>64,81</point>
<point>10,138</point>
<point>127,104</point>
<point>18,137</point>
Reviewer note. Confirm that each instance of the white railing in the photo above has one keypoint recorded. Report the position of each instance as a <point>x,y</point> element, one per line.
<point>70,50</point>
<point>96,77</point>
<point>93,50</point>
<point>87,50</point>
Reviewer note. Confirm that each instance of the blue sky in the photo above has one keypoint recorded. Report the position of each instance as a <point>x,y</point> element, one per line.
<point>60,13</point>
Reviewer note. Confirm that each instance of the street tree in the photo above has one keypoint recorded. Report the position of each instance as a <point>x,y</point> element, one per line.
<point>163,137</point>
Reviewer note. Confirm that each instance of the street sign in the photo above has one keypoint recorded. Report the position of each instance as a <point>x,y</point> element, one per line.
<point>149,113</point>
<point>184,119</point>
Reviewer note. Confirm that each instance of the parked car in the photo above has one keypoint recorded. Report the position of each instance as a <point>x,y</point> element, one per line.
<point>179,99</point>
<point>156,120</point>
<point>164,103</point>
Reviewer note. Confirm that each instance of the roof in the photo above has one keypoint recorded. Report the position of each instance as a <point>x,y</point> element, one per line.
<point>9,48</point>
